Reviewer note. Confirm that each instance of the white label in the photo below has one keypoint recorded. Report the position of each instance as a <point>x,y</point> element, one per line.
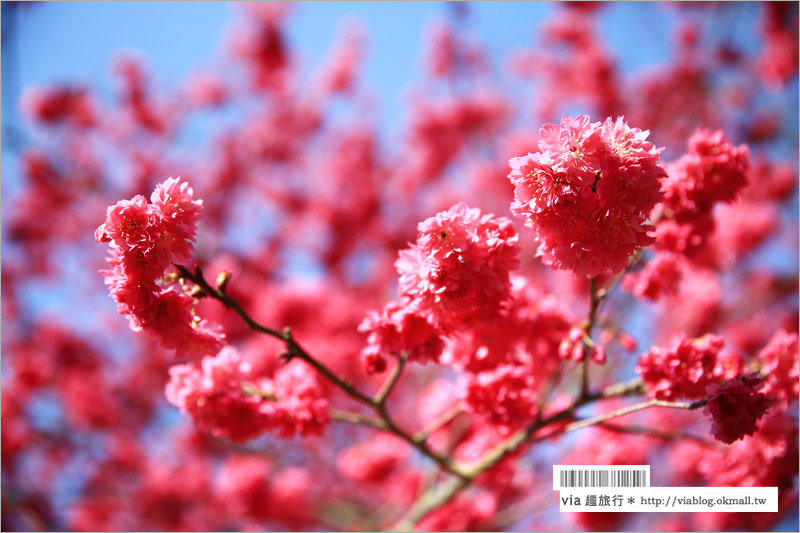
<point>670,499</point>
<point>594,476</point>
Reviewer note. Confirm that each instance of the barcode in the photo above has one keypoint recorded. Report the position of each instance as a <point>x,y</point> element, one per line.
<point>603,478</point>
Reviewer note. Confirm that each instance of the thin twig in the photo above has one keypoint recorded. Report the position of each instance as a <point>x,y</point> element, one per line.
<point>656,434</point>
<point>634,260</point>
<point>421,446</point>
<point>387,387</point>
<point>439,422</point>
<point>445,492</point>
<point>631,409</point>
<point>295,350</point>
<point>357,418</point>
<point>594,303</point>
<point>463,477</point>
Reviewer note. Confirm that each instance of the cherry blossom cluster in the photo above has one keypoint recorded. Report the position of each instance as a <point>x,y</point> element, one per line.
<point>736,406</point>
<point>374,461</point>
<point>457,271</point>
<point>255,489</point>
<point>509,363</point>
<point>70,105</point>
<point>684,368</point>
<point>145,239</point>
<point>698,368</point>
<point>779,363</point>
<point>767,459</point>
<point>399,330</point>
<point>224,396</point>
<point>587,193</point>
<point>713,171</point>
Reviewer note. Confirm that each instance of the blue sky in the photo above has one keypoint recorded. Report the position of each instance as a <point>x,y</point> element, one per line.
<point>75,41</point>
<point>53,42</point>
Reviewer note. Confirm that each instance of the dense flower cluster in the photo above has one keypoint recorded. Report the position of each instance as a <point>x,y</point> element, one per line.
<point>736,407</point>
<point>686,367</point>
<point>399,330</point>
<point>262,45</point>
<point>59,105</point>
<point>145,238</point>
<point>244,483</point>
<point>767,459</point>
<point>712,171</point>
<point>588,192</point>
<point>527,332</point>
<point>224,397</point>
<point>659,277</point>
<point>506,395</point>
<point>509,362</point>
<point>779,363</point>
<point>458,269</point>
<point>441,127</point>
<point>252,490</point>
<point>779,58</point>
<point>214,395</point>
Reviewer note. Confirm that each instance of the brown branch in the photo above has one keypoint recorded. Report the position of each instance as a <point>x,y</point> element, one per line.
<point>463,477</point>
<point>595,298</point>
<point>387,387</point>
<point>657,434</point>
<point>631,409</point>
<point>294,350</point>
<point>439,422</point>
<point>421,446</point>
<point>434,499</point>
<point>357,418</point>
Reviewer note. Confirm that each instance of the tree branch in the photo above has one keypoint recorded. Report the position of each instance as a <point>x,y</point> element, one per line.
<point>387,387</point>
<point>657,434</point>
<point>434,499</point>
<point>357,418</point>
<point>463,477</point>
<point>295,350</point>
<point>439,422</point>
<point>631,409</point>
<point>595,298</point>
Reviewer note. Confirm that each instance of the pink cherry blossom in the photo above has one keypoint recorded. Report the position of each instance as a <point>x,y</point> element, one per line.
<point>779,363</point>
<point>458,268</point>
<point>399,330</point>
<point>587,193</point>
<point>735,407</point>
<point>683,369</point>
